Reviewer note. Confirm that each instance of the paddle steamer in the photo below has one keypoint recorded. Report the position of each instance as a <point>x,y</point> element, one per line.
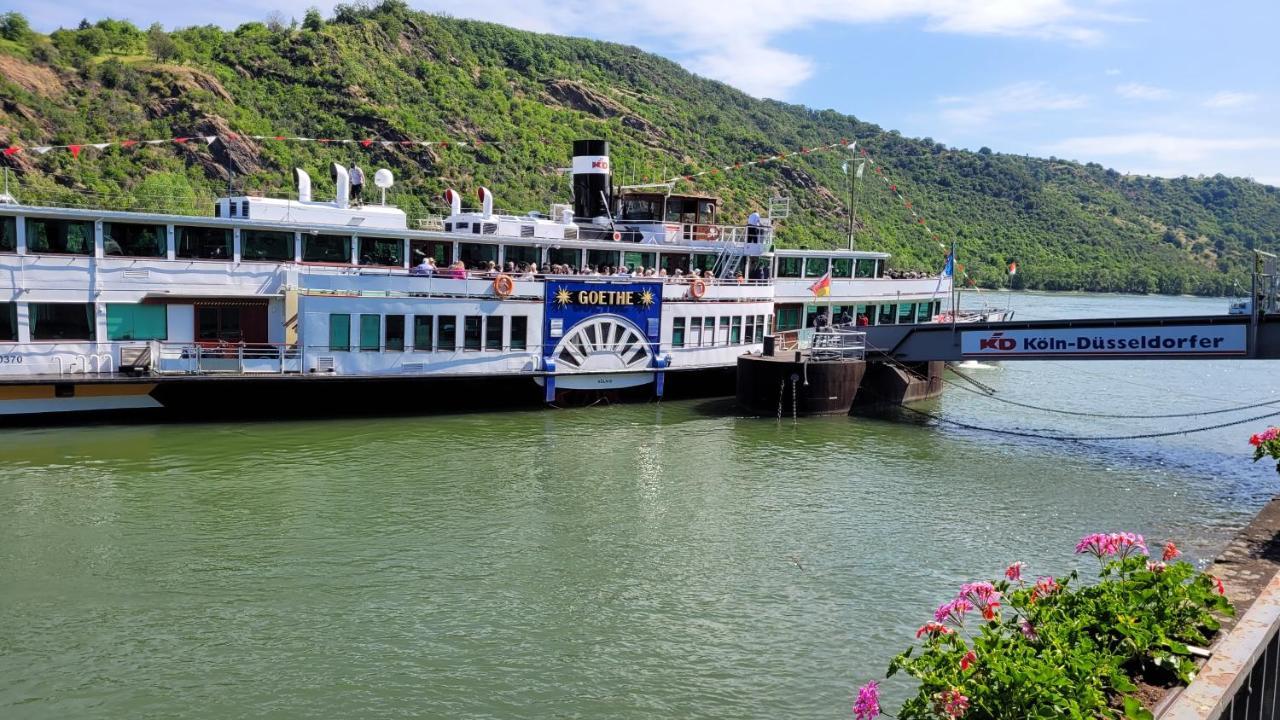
<point>287,305</point>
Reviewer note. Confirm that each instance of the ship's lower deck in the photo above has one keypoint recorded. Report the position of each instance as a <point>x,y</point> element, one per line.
<point>120,398</point>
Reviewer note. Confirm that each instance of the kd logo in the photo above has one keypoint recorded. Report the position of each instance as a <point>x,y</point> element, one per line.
<point>599,164</point>
<point>996,342</point>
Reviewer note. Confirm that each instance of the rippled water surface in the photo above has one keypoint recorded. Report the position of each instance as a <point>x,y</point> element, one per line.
<point>641,561</point>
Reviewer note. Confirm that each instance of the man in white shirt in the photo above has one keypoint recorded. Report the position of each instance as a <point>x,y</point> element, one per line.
<point>356,176</point>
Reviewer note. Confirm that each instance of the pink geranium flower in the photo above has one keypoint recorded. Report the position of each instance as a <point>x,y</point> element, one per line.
<point>953,611</point>
<point>1014,571</point>
<point>1171,552</point>
<point>933,628</point>
<point>969,658</point>
<point>867,706</point>
<point>952,703</point>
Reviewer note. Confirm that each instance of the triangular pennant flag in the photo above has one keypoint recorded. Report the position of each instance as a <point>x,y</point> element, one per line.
<point>12,150</point>
<point>40,150</point>
<point>425,143</point>
<point>366,143</point>
<point>100,146</point>
<point>386,143</point>
<point>153,142</point>
<point>323,141</point>
<point>75,151</point>
<point>460,143</point>
<point>443,143</point>
<point>232,136</point>
<point>406,142</point>
<point>208,139</point>
<point>278,137</point>
<point>181,140</point>
<point>128,143</point>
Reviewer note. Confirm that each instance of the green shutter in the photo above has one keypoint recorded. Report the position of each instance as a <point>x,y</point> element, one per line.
<point>339,332</point>
<point>137,322</point>
<point>370,332</point>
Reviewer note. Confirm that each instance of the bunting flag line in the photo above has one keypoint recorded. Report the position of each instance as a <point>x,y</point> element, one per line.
<point>765,159</point>
<point>77,148</point>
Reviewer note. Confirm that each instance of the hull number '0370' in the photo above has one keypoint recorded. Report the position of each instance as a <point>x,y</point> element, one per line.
<point>11,359</point>
<point>1112,341</point>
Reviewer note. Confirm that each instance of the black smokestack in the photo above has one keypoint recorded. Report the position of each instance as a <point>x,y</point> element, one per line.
<point>591,176</point>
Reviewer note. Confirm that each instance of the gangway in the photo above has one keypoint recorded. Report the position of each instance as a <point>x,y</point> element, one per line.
<point>1252,335</point>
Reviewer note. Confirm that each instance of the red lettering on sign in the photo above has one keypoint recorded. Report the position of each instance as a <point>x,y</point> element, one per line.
<point>997,342</point>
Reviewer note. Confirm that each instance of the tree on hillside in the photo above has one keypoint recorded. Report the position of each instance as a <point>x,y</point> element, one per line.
<point>159,44</point>
<point>312,20</point>
<point>275,21</point>
<point>122,36</point>
<point>14,26</point>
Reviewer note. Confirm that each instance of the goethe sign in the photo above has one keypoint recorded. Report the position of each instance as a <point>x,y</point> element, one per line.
<point>1117,342</point>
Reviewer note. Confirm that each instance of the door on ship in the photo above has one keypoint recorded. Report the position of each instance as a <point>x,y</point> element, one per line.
<point>231,321</point>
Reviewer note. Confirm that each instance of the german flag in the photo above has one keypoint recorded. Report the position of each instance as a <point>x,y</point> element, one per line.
<point>822,288</point>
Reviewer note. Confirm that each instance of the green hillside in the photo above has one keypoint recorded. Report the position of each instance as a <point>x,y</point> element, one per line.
<point>391,73</point>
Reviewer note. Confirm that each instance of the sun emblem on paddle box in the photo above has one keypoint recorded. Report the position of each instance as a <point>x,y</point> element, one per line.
<point>646,298</point>
<point>563,297</point>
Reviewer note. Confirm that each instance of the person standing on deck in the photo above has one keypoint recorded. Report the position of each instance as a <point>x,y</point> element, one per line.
<point>356,176</point>
<point>753,227</point>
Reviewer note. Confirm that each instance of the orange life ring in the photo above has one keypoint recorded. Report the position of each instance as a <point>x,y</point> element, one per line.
<point>503,285</point>
<point>698,289</point>
<point>713,232</point>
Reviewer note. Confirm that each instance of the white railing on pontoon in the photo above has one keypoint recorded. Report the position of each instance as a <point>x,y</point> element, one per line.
<point>233,358</point>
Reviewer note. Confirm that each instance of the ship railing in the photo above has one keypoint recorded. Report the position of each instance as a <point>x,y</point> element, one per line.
<point>171,358</point>
<point>792,340</point>
<point>838,343</point>
<point>674,233</point>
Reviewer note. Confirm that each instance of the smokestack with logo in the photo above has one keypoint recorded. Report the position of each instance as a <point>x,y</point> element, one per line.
<point>592,193</point>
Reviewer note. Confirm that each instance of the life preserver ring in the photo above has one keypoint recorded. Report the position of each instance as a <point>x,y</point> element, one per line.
<point>503,285</point>
<point>617,236</point>
<point>713,232</point>
<point>697,289</point>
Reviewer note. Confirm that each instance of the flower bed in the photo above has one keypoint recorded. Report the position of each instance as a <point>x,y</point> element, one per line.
<point>1058,647</point>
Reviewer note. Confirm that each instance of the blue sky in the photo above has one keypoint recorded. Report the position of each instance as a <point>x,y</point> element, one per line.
<point>1163,88</point>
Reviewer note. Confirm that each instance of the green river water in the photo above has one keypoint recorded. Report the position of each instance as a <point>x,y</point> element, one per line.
<point>671,560</point>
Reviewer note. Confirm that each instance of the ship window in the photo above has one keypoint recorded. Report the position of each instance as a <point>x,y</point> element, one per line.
<point>634,209</point>
<point>471,332</point>
<point>879,268</point>
<point>749,334</point>
<point>695,332</point>
<point>266,245</point>
<point>62,321</point>
<point>9,322</point>
<point>8,234</point>
<point>704,262</point>
<point>565,256</point>
<point>815,267</point>
<point>866,268</point>
<point>74,237</point>
<point>370,333</point>
<point>906,312</point>
<point>519,332</point>
<point>842,267</point>
<point>519,254</point>
<point>493,332</point>
<point>473,254</point>
<point>424,327</point>
<point>217,210</point>
<point>326,248</point>
<point>888,313</point>
<point>607,258</point>
<point>448,333</point>
<point>382,251</point>
<point>788,317</point>
<point>789,267</point>
<point>233,209</point>
<point>132,240</point>
<point>395,333</point>
<point>639,259</point>
<point>137,322</point>
<point>735,333</point>
<point>725,335</point>
<point>677,332</point>
<point>439,250</point>
<point>672,262</point>
<point>709,331</point>
<point>924,312</point>
<point>221,323</point>
<point>244,208</point>
<point>202,242</point>
<point>339,333</point>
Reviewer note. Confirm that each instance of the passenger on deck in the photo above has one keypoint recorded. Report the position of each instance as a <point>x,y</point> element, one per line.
<point>753,227</point>
<point>427,267</point>
<point>862,320</point>
<point>532,272</point>
<point>458,271</point>
<point>845,319</point>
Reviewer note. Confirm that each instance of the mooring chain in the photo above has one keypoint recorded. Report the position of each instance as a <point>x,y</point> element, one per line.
<point>1082,438</point>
